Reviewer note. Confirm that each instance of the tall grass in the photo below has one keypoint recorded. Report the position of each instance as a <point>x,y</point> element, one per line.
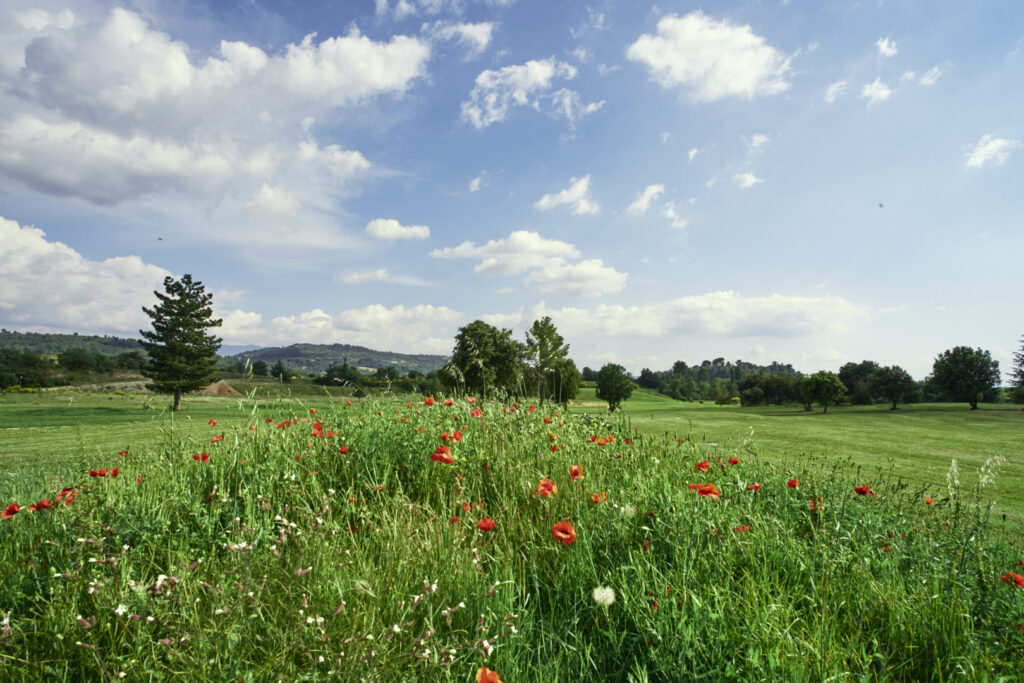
<point>282,557</point>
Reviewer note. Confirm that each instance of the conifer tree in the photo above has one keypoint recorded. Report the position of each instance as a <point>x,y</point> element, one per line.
<point>182,355</point>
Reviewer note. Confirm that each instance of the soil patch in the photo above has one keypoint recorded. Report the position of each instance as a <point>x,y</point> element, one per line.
<point>220,388</point>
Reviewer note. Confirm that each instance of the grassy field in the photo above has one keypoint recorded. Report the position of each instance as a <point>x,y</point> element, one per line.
<point>356,551</point>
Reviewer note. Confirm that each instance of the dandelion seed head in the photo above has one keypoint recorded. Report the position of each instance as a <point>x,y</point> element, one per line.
<point>604,596</point>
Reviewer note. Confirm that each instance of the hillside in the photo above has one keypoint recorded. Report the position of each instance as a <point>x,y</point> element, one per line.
<point>318,357</point>
<point>45,343</point>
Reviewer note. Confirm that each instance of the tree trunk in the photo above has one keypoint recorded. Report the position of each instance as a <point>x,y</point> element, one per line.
<point>177,401</point>
<point>893,406</point>
<point>824,408</point>
<point>974,405</point>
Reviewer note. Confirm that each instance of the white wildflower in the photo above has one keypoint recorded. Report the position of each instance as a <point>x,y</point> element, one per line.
<point>628,510</point>
<point>121,609</point>
<point>604,596</point>
<point>990,470</point>
<point>953,478</point>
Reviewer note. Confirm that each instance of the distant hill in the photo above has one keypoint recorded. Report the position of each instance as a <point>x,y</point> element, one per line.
<point>318,357</point>
<point>44,343</point>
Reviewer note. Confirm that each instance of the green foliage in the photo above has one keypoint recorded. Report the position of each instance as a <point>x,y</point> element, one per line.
<point>281,372</point>
<point>47,343</point>
<point>614,385</point>
<point>182,355</point>
<point>260,368</point>
<point>485,360</point>
<point>859,379</point>
<point>966,374</point>
<point>341,375</point>
<point>1017,374</point>
<point>893,383</point>
<point>823,388</point>
<point>319,357</point>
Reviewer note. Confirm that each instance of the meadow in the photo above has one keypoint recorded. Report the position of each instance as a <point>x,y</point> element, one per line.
<point>393,540</point>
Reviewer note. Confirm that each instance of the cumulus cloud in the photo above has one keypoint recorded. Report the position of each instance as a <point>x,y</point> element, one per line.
<point>586,278</point>
<point>569,105</point>
<point>746,180</point>
<point>497,91</point>
<point>694,151</point>
<point>990,149</point>
<point>931,76</point>
<point>50,286</point>
<point>757,141</point>
<point>713,59</point>
<point>475,183</point>
<point>352,277</point>
<point>674,219</point>
<point>834,91</point>
<point>520,251</point>
<point>390,229</point>
<point>577,196</point>
<point>474,37</point>
<point>886,47</point>
<point>875,92</point>
<point>644,198</point>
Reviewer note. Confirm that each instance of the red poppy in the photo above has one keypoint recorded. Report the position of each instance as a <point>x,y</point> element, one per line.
<point>217,438</point>
<point>10,511</point>
<point>703,466</point>
<point>312,411</point>
<point>575,472</point>
<point>793,483</point>
<point>547,420</point>
<point>564,532</point>
<point>928,501</point>
<point>114,472</point>
<point>429,401</point>
<point>816,504</point>
<point>734,460</point>
<point>546,488</point>
<point>122,453</point>
<point>204,456</point>
<point>343,450</point>
<point>213,423</point>
<point>864,490</point>
<point>708,491</point>
<point>41,505</point>
<point>531,409</point>
<point>470,399</point>
<point>443,454</point>
<point>476,412</point>
<point>740,529</point>
<point>449,402</point>
<point>485,675</point>
<point>885,548</point>
<point>1013,578</point>
<point>599,498</point>
<point>486,524</point>
<point>754,487</point>
<point>457,436</point>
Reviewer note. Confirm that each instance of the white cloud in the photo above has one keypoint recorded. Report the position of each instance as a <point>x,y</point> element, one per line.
<point>675,220</point>
<point>746,180</point>
<point>577,196</point>
<point>520,251</point>
<point>582,54</point>
<point>666,137</point>
<point>352,277</point>
<point>875,92</point>
<point>50,286</point>
<point>496,92</point>
<point>714,59</point>
<point>474,37</point>
<point>886,47</point>
<point>474,184</point>
<point>568,104</point>
<point>757,141</point>
<point>723,313</point>
<point>594,22</point>
<point>991,149</point>
<point>644,198</point>
<point>931,76</point>
<point>835,90</point>
<point>908,76</point>
<point>694,151</point>
<point>586,278</point>
<point>273,200</point>
<point>390,229</point>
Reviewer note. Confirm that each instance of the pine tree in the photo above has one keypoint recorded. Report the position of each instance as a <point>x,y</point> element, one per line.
<point>182,355</point>
<point>1017,374</point>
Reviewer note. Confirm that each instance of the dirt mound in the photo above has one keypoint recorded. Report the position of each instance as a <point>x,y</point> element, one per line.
<point>220,388</point>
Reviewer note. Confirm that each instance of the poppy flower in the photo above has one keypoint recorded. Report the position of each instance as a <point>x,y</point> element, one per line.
<point>928,501</point>
<point>485,675</point>
<point>217,438</point>
<point>1013,578</point>
<point>734,460</point>
<point>312,411</point>
<point>343,450</point>
<point>470,399</point>
<point>547,420</point>
<point>546,488</point>
<point>816,504</point>
<point>203,457</point>
<point>793,483</point>
<point>429,401</point>
<point>531,409</point>
<point>703,466</point>
<point>457,436</point>
<point>575,472</point>
<point>864,490</point>
<point>114,472</point>
<point>692,486</point>
<point>213,423</point>
<point>443,454</point>
<point>449,402</point>
<point>41,505</point>
<point>564,532</point>
<point>708,491</point>
<point>476,412</point>
<point>599,497</point>
<point>754,487</point>
<point>486,524</point>
<point>122,453</point>
<point>10,511</point>
<point>740,529</point>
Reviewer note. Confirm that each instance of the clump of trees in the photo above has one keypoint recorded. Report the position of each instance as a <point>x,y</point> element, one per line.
<point>713,380</point>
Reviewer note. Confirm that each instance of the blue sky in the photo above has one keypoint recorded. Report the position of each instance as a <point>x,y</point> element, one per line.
<point>803,182</point>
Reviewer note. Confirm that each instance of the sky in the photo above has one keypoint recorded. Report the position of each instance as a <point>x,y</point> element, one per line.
<point>809,182</point>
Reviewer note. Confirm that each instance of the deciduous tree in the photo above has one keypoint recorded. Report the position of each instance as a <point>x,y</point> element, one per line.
<point>894,383</point>
<point>966,374</point>
<point>182,356</point>
<point>614,385</point>
<point>548,350</point>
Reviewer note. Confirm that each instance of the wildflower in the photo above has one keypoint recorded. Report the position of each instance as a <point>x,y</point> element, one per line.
<point>213,423</point>
<point>312,411</point>
<point>599,497</point>
<point>476,412</point>
<point>470,399</point>
<point>1013,578</point>
<point>485,675</point>
<point>754,487</point>
<point>864,490</point>
<point>708,491</point>
<point>343,450</point>
<point>454,520</point>
<point>628,510</point>
<point>793,483</point>
<point>703,466</point>
<point>202,457</point>
<point>734,460</point>
<point>486,524</point>
<point>10,511</point>
<point>575,472</point>
<point>604,596</point>
<point>41,505</point>
<point>816,504</point>
<point>928,501</point>
<point>443,454</point>
<point>740,529</point>
<point>564,532</point>
<point>121,609</point>
<point>217,438</point>
<point>122,453</point>
<point>546,488</point>
<point>449,402</point>
<point>531,409</point>
<point>429,401</point>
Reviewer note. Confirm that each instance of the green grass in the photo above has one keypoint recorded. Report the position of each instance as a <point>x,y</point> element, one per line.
<point>282,557</point>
